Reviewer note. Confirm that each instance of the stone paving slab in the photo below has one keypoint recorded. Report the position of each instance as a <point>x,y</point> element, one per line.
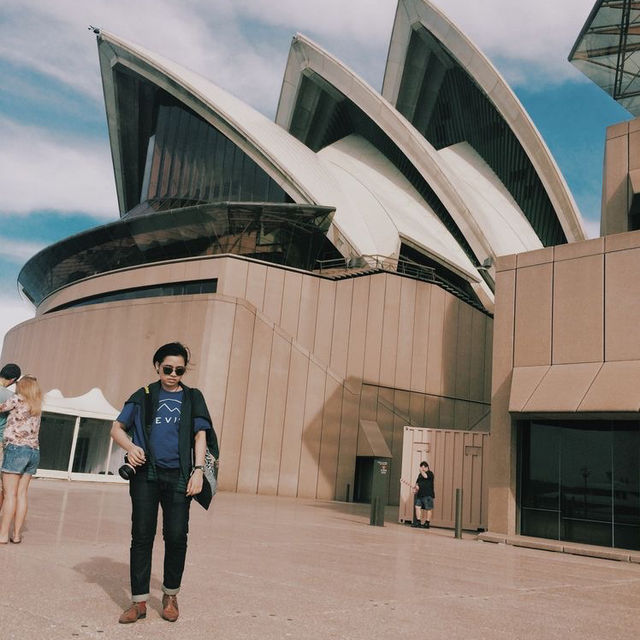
<point>264,568</point>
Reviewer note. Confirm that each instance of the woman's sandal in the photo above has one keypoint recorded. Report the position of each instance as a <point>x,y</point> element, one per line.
<point>16,540</point>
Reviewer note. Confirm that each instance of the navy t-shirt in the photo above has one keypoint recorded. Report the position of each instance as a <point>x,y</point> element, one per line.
<point>164,427</point>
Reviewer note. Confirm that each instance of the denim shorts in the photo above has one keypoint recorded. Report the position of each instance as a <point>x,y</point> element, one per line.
<point>426,502</point>
<point>20,459</point>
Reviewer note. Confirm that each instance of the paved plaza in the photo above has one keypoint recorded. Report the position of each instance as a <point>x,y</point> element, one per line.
<point>263,567</point>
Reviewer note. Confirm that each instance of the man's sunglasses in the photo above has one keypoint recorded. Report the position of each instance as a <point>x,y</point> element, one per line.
<point>167,370</point>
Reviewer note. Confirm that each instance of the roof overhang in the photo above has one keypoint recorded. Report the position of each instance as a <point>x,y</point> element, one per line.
<point>607,388</point>
<point>371,442</point>
<point>261,231</point>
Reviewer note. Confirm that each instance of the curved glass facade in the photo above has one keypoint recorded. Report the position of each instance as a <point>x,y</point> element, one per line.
<point>292,235</point>
<point>446,106</point>
<point>171,152</point>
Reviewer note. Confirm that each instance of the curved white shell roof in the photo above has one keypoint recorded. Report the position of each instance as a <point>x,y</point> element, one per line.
<point>293,165</point>
<point>376,206</point>
<point>412,12</point>
<point>493,206</point>
<point>376,182</point>
<point>362,225</point>
<point>281,155</point>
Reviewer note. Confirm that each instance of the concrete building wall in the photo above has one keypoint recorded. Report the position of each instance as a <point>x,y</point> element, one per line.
<point>621,177</point>
<point>289,362</point>
<point>566,319</point>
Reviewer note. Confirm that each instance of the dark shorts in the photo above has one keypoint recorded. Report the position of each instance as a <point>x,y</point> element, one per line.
<point>20,459</point>
<point>426,502</point>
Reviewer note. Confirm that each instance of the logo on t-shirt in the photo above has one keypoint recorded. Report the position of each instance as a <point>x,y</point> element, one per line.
<point>168,411</point>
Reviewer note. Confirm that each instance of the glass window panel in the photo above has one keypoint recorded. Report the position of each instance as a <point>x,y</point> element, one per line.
<point>218,166</point>
<point>626,485</point>
<point>541,467</point>
<point>599,478</point>
<point>540,523</point>
<point>170,289</point>
<point>92,446</point>
<point>586,532</point>
<point>227,166</point>
<point>237,174</point>
<point>147,169</point>
<point>585,475</point>
<point>56,436</point>
<point>192,287</point>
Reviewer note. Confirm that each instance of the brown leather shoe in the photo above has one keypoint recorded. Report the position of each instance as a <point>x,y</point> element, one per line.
<point>170,608</point>
<point>136,611</point>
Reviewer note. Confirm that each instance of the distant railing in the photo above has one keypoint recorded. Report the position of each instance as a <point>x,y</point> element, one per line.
<point>357,265</point>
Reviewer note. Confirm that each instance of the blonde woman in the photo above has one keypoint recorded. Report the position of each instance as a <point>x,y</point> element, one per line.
<point>21,454</point>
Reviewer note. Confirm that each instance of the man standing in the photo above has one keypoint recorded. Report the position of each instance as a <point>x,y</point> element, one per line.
<point>165,428</point>
<point>424,496</point>
<point>8,375</point>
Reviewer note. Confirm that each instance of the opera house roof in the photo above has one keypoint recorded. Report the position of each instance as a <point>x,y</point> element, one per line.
<point>442,168</point>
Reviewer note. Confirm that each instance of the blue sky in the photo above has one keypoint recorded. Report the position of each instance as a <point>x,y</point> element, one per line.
<point>56,177</point>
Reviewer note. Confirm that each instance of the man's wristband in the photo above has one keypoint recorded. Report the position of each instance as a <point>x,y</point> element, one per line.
<point>199,466</point>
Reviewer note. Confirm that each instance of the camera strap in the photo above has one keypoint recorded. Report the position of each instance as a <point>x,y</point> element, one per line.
<point>148,409</point>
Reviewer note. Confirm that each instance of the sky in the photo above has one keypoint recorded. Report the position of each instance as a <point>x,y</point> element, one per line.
<point>56,176</point>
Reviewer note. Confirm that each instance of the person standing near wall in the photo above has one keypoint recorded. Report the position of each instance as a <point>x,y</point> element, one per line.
<point>165,429</point>
<point>21,454</point>
<point>8,375</point>
<point>424,495</point>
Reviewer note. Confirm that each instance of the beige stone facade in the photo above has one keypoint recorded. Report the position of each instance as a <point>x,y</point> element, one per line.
<point>621,180</point>
<point>567,346</point>
<point>289,362</point>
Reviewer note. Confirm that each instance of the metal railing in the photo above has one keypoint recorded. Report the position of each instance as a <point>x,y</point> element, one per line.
<point>360,265</point>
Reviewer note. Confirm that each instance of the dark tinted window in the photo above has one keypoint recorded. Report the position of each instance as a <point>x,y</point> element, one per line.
<point>580,481</point>
<point>166,289</point>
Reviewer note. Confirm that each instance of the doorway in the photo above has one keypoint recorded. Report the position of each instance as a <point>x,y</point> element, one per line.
<point>363,479</point>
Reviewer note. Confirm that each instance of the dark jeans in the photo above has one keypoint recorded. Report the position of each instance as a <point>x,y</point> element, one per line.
<point>145,497</point>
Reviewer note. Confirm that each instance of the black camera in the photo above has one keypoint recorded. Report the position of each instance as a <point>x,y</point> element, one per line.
<point>127,470</point>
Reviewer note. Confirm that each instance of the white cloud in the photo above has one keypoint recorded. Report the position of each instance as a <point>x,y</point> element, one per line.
<point>17,250</point>
<point>242,45</point>
<point>42,171</point>
<point>528,40</point>
<point>53,39</point>
<point>364,22</point>
<point>14,311</point>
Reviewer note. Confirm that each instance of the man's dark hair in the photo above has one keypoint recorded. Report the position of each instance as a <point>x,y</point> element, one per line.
<point>171,349</point>
<point>424,463</point>
<point>10,371</point>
